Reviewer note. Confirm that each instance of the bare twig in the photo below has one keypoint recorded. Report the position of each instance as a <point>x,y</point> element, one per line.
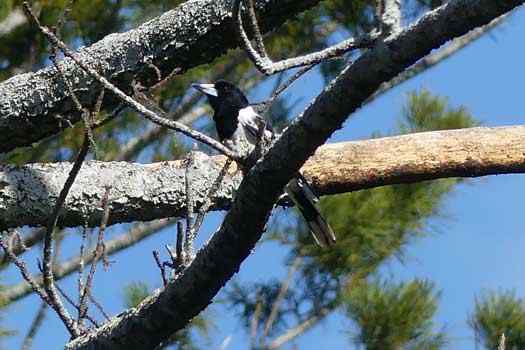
<point>125,240</point>
<point>72,303</point>
<point>163,82</point>
<point>47,266</point>
<point>160,265</point>
<point>205,207</point>
<point>65,14</point>
<point>437,57</point>
<point>81,265</point>
<point>270,101</point>
<point>35,326</point>
<point>98,306</point>
<point>17,239</point>
<point>23,245</point>
<point>179,246</point>
<point>254,26</point>
<point>254,322</point>
<point>25,272</point>
<point>294,332</point>
<point>280,297</point>
<point>190,232</point>
<point>84,113</point>
<point>23,269</point>
<point>97,254</point>
<point>152,116</point>
<point>265,64</point>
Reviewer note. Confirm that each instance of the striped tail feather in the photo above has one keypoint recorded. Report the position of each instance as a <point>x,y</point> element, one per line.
<point>304,198</point>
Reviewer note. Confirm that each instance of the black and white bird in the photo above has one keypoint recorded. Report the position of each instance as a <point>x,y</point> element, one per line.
<point>239,127</point>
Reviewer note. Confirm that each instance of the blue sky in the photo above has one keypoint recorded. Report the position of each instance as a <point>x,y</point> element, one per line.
<point>477,245</point>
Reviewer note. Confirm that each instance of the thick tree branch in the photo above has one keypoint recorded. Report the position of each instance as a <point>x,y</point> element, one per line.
<point>35,105</point>
<point>171,309</point>
<point>146,192</point>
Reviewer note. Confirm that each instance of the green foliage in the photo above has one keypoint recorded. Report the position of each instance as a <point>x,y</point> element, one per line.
<point>134,293</point>
<point>394,315</point>
<point>371,226</point>
<point>4,332</point>
<point>374,224</point>
<point>261,296</point>
<point>496,313</point>
<point>424,111</point>
<point>5,8</point>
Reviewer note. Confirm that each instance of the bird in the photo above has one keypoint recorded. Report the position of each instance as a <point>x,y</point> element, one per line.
<point>239,127</point>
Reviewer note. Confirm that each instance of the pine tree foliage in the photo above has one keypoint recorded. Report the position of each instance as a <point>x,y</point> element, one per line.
<point>497,313</point>
<point>392,315</point>
<point>372,226</point>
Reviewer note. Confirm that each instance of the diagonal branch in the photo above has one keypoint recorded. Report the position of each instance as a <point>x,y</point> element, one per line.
<point>438,56</point>
<point>298,330</point>
<point>265,65</point>
<point>35,326</point>
<point>140,108</point>
<point>280,297</point>
<point>187,36</point>
<point>47,265</point>
<point>169,310</point>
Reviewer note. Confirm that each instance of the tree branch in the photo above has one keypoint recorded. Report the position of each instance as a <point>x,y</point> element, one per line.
<point>266,66</point>
<point>146,192</point>
<point>437,57</point>
<point>188,36</point>
<point>169,310</point>
<point>65,268</point>
<point>297,330</point>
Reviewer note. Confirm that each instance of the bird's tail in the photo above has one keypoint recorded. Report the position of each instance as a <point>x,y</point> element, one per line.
<point>302,195</point>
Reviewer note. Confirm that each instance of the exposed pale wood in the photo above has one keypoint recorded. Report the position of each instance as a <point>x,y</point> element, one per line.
<point>153,191</point>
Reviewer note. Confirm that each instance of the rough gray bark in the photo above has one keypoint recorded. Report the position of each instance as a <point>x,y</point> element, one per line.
<point>36,105</point>
<point>142,192</point>
<point>138,192</point>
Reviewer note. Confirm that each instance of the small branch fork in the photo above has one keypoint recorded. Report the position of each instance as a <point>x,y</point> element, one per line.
<point>50,294</point>
<point>265,65</point>
<point>184,250</point>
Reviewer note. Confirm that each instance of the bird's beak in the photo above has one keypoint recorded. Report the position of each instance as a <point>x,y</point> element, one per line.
<point>207,89</point>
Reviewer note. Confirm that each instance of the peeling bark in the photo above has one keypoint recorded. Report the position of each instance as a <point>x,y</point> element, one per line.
<point>36,105</point>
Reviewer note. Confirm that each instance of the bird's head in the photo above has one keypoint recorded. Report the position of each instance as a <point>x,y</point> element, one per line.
<point>223,94</point>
